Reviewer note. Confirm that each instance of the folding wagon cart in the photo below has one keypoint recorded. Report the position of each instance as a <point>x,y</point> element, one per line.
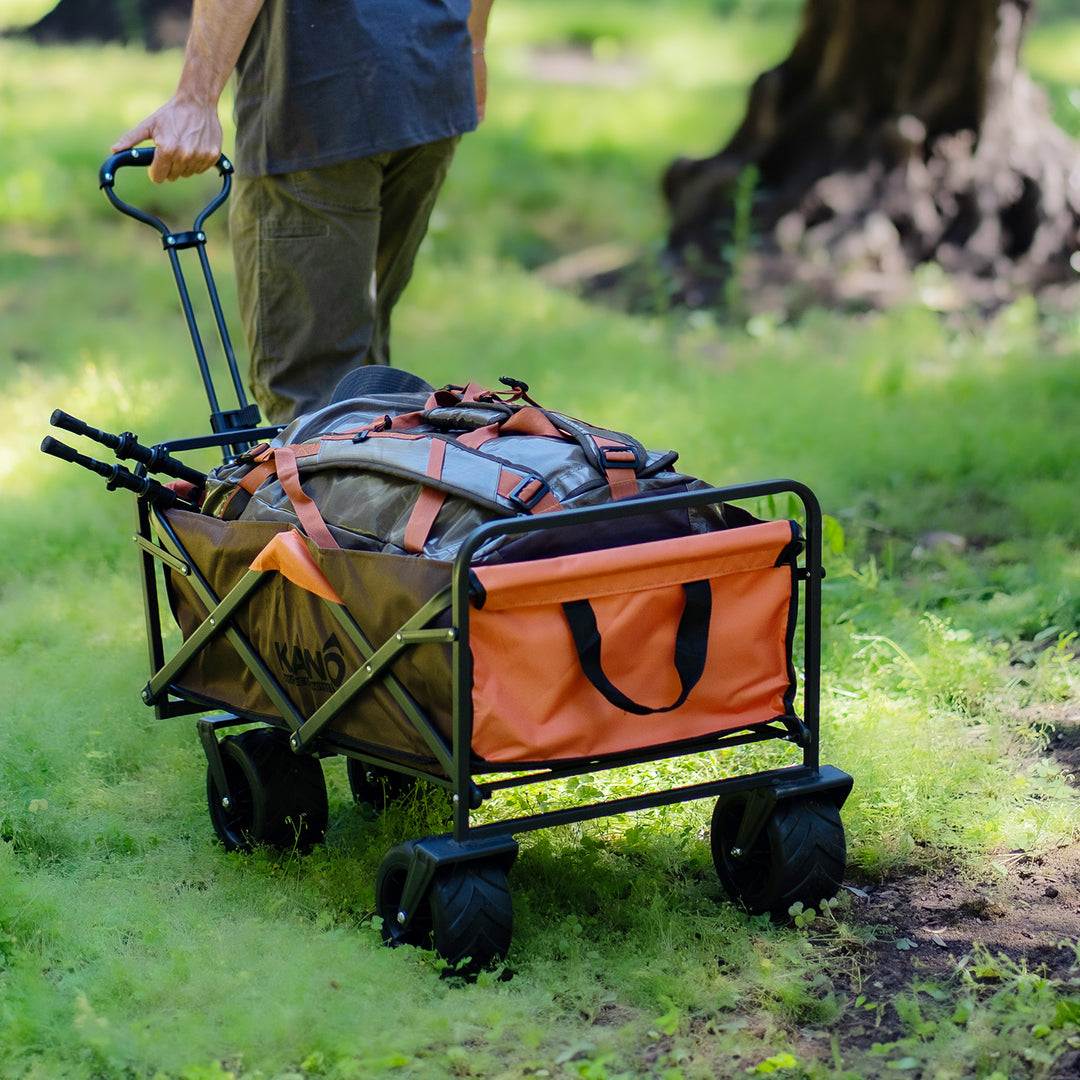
<point>627,646</point>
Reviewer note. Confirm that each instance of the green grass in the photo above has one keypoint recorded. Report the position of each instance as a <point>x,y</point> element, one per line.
<point>132,946</point>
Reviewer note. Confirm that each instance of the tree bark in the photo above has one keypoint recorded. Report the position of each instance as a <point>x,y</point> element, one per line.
<point>157,24</point>
<point>895,134</point>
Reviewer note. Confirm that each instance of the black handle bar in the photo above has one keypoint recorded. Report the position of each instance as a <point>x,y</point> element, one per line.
<point>126,445</point>
<point>144,155</point>
<point>119,477</point>
<point>244,416</point>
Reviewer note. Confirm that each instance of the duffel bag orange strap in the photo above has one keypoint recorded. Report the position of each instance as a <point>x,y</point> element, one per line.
<point>526,421</point>
<point>429,503</point>
<point>266,463</point>
<point>527,494</point>
<point>306,510</point>
<point>691,647</point>
<point>532,421</point>
<point>400,422</point>
<point>619,462</point>
<point>455,395</point>
<point>254,479</point>
<point>265,467</point>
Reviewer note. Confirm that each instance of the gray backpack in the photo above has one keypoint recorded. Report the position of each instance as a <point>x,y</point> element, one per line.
<point>414,473</point>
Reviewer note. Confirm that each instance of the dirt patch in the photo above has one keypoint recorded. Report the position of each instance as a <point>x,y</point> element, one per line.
<point>1026,911</point>
<point>934,923</point>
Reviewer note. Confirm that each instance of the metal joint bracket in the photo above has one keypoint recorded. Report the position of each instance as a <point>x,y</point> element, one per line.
<point>207,728</point>
<point>828,782</point>
<point>433,853</point>
<point>224,421</point>
<point>178,241</point>
<point>799,734</point>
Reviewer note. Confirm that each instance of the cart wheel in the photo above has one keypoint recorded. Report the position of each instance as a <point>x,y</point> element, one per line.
<point>799,855</point>
<point>376,787</point>
<point>275,797</point>
<point>466,915</point>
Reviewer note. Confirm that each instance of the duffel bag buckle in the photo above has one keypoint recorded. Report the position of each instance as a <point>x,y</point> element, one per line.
<point>529,502</point>
<point>618,457</point>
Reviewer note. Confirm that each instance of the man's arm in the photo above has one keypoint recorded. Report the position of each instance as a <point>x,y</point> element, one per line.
<point>478,21</point>
<point>186,129</point>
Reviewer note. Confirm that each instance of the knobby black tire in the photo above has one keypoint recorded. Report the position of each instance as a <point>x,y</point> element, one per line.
<point>466,917</point>
<point>275,797</point>
<point>799,855</point>
<point>376,788</point>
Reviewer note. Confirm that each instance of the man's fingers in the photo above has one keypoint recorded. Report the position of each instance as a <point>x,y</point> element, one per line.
<point>139,133</point>
<point>187,138</point>
<point>162,167</point>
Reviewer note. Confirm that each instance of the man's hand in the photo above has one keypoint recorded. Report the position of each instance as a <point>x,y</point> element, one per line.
<point>186,129</point>
<point>187,136</point>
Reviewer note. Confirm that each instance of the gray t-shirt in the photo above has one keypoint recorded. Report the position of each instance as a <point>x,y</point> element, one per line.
<point>325,81</point>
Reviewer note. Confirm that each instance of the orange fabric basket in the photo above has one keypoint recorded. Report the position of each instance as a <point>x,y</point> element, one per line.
<point>600,653</point>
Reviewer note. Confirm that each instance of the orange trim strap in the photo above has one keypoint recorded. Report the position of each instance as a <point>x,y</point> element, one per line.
<point>620,460</point>
<point>306,510</point>
<point>429,503</point>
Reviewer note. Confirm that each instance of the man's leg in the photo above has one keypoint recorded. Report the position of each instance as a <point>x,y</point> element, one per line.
<point>411,182</point>
<point>305,250</point>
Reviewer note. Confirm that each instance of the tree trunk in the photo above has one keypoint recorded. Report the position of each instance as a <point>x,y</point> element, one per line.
<point>157,24</point>
<point>897,133</point>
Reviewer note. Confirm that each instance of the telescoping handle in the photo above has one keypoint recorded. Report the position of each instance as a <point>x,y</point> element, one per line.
<point>144,156</point>
<point>244,416</point>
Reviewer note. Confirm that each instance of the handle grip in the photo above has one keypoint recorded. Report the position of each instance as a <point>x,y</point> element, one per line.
<point>144,155</point>
<point>67,422</point>
<point>56,448</point>
<point>137,155</point>
<point>118,477</point>
<point>691,648</point>
<point>126,445</point>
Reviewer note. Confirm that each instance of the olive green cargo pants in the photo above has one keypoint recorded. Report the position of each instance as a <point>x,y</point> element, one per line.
<point>321,258</point>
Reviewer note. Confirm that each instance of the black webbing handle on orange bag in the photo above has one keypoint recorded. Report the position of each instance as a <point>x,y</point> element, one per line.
<point>691,647</point>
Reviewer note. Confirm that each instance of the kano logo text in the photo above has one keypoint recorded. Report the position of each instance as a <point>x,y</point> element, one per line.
<point>322,670</point>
